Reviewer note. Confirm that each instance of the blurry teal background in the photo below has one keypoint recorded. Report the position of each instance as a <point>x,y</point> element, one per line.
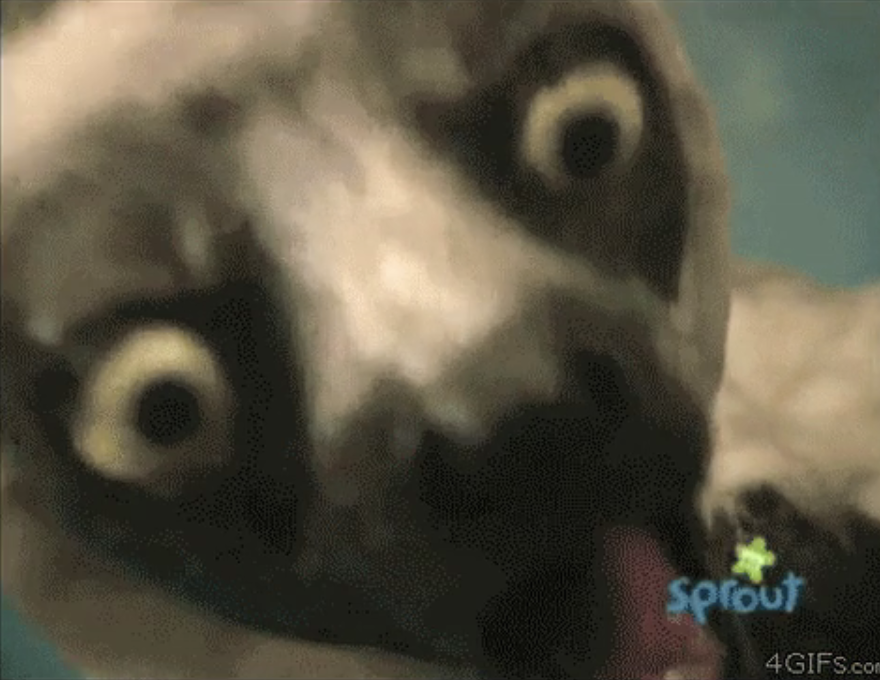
<point>797,88</point>
<point>796,84</point>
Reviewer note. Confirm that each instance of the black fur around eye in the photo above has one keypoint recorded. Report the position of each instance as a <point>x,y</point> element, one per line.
<point>54,387</point>
<point>588,145</point>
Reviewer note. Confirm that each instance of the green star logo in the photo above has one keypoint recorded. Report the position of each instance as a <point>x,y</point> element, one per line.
<point>752,558</point>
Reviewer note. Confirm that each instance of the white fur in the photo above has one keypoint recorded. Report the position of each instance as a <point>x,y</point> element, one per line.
<point>391,254</point>
<point>799,407</point>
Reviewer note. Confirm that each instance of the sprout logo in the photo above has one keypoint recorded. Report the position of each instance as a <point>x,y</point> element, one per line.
<point>732,595</point>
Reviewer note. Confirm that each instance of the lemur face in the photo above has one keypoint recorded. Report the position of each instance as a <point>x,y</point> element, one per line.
<point>389,325</point>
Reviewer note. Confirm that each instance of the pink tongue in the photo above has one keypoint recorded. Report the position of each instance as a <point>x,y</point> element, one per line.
<point>648,643</point>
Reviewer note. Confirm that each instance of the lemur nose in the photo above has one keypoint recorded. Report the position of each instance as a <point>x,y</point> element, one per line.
<point>557,348</point>
<point>552,386</point>
<point>600,406</point>
<point>468,477</point>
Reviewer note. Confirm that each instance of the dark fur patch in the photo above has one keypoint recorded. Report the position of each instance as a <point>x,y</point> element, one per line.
<point>839,612</point>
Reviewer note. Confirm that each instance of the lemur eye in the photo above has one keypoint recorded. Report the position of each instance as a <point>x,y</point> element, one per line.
<point>588,123</point>
<point>157,407</point>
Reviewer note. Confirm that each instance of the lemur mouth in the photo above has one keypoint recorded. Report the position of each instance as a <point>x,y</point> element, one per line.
<point>562,623</point>
<point>603,494</point>
<point>650,643</point>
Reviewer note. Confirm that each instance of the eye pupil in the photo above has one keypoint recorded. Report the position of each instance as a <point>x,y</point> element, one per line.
<point>589,144</point>
<point>168,413</point>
